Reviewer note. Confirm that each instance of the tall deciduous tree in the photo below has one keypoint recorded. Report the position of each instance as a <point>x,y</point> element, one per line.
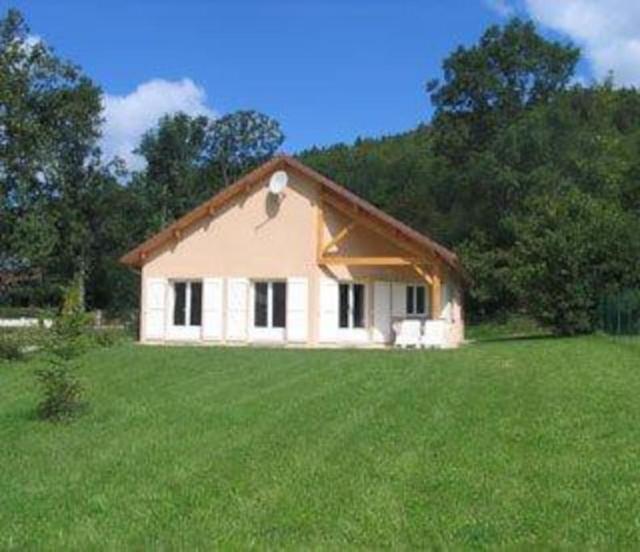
<point>174,179</point>
<point>242,140</point>
<point>49,159</point>
<point>486,86</point>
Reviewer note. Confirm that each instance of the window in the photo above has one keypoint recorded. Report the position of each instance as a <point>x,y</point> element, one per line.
<point>416,300</point>
<point>270,305</point>
<point>351,306</point>
<point>187,303</point>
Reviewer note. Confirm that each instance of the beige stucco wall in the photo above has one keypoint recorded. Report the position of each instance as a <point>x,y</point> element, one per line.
<point>260,236</point>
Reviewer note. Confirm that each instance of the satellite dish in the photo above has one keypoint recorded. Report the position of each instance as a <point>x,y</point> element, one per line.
<point>278,182</point>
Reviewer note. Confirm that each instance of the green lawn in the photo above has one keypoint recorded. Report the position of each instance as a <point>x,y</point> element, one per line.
<point>522,442</point>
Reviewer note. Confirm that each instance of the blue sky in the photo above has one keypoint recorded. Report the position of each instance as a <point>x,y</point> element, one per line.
<point>329,70</point>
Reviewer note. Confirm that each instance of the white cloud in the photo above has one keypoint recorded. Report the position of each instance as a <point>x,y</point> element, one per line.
<point>128,117</point>
<point>503,8</point>
<point>607,30</point>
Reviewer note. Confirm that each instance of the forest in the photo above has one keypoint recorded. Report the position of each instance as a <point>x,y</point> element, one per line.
<point>529,174</point>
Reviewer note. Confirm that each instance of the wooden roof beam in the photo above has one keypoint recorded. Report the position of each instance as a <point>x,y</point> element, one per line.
<point>364,221</point>
<point>367,261</point>
<point>339,237</point>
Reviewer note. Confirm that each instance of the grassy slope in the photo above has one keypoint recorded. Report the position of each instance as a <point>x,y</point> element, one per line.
<point>532,441</point>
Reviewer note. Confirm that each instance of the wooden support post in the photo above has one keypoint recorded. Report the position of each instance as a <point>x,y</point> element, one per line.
<point>436,293</point>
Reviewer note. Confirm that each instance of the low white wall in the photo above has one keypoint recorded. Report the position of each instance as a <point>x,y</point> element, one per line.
<point>23,322</point>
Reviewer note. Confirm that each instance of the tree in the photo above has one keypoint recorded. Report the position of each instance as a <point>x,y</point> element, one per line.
<point>489,84</point>
<point>571,251</point>
<point>174,179</point>
<point>49,159</point>
<point>240,141</point>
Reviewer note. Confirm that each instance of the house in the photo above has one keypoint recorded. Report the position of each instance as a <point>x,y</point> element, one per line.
<point>313,265</point>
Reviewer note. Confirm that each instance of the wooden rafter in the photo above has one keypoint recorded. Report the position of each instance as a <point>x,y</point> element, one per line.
<point>339,237</point>
<point>423,273</point>
<point>354,213</point>
<point>367,261</point>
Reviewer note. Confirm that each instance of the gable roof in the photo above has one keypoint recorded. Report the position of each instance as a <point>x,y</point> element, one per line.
<point>136,257</point>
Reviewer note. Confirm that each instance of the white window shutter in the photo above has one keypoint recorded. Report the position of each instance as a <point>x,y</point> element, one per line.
<point>446,302</point>
<point>381,312</point>
<point>427,300</point>
<point>237,308</point>
<point>399,299</point>
<point>212,308</point>
<point>297,309</point>
<point>328,310</point>
<point>155,308</point>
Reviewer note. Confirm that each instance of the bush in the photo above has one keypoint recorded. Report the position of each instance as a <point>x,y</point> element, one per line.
<point>108,337</point>
<point>15,343</point>
<point>11,348</point>
<point>68,348</point>
<point>62,392</point>
<point>71,330</point>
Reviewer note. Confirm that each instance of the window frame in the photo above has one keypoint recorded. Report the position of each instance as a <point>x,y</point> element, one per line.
<point>187,303</point>
<point>351,313</point>
<point>412,293</point>
<point>269,327</point>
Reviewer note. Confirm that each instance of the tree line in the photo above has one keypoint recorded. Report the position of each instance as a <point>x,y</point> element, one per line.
<point>530,176</point>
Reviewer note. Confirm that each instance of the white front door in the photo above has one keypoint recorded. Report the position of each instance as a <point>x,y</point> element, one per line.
<point>268,310</point>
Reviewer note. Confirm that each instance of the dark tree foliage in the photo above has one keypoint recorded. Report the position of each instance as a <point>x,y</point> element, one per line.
<point>573,249</point>
<point>241,141</point>
<point>174,179</point>
<point>486,86</point>
<point>49,160</point>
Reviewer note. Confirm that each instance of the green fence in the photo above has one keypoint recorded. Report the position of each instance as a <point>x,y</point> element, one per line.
<point>620,313</point>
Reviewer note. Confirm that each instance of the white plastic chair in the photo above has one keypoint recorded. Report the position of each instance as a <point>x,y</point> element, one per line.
<point>435,334</point>
<point>408,333</point>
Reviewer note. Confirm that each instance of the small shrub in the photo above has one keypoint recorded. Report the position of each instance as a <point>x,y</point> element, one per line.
<point>108,337</point>
<point>72,325</point>
<point>62,391</point>
<point>67,348</point>
<point>11,348</point>
<point>73,321</point>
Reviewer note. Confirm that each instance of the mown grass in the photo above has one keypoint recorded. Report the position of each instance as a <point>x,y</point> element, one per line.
<point>527,443</point>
